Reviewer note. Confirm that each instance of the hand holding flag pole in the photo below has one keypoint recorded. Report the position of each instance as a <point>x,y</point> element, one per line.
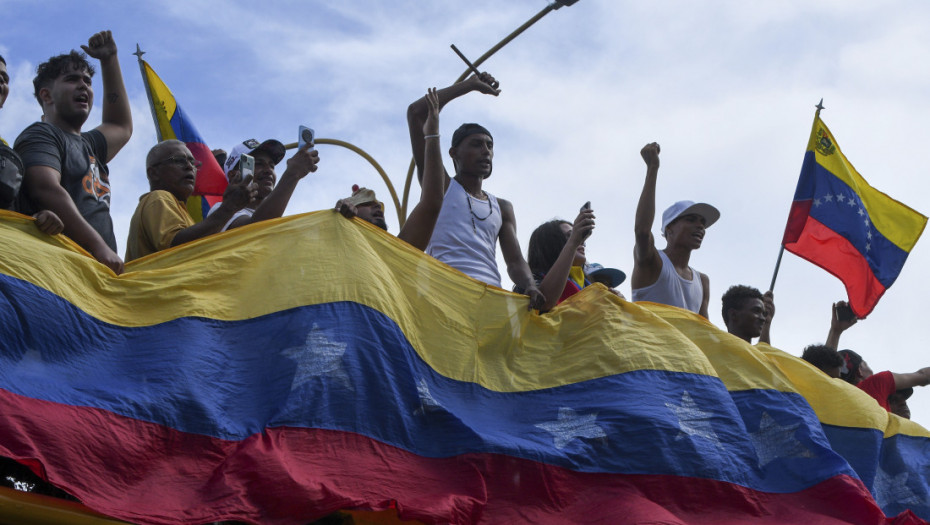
<point>781,250</point>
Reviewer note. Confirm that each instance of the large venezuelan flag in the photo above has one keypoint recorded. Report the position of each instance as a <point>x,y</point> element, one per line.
<point>173,123</point>
<point>840,223</point>
<point>281,371</point>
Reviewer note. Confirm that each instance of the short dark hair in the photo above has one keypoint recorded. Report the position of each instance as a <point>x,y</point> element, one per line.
<point>546,244</point>
<point>734,297</point>
<point>54,67</point>
<point>822,356</point>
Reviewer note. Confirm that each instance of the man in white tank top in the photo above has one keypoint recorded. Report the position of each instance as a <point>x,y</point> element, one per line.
<point>664,276</point>
<point>471,221</point>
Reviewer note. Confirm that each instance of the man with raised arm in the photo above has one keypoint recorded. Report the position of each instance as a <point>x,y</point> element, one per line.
<point>419,226</point>
<point>856,371</point>
<point>161,219</point>
<point>66,170</point>
<point>471,221</point>
<point>664,276</point>
<point>271,199</point>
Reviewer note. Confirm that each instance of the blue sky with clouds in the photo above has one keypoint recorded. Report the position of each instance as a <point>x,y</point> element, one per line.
<point>726,87</point>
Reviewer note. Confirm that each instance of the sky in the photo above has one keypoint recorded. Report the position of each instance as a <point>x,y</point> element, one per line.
<point>728,89</point>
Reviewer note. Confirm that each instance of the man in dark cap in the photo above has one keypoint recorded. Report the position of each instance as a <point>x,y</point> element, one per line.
<point>471,221</point>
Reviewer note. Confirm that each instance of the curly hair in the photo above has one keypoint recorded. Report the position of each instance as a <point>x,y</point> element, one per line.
<point>822,356</point>
<point>54,67</point>
<point>734,297</point>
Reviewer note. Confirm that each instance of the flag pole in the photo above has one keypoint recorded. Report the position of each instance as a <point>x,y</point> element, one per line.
<point>148,91</point>
<point>781,251</point>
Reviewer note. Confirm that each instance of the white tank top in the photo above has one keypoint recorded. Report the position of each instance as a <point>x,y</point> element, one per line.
<point>465,237</point>
<point>673,289</point>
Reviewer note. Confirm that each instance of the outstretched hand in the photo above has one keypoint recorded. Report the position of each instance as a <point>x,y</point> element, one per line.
<point>837,324</point>
<point>485,83</point>
<point>537,299</point>
<point>582,228</point>
<point>650,154</point>
<point>304,161</point>
<point>100,46</point>
<point>48,222</point>
<point>239,194</point>
<point>347,210</point>
<point>431,126</point>
<point>768,301</point>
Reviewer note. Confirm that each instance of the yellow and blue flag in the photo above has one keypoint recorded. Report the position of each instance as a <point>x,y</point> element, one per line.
<point>352,371</point>
<point>173,123</point>
<point>840,223</point>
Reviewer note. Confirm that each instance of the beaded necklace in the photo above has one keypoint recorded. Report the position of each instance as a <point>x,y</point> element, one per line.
<point>474,226</point>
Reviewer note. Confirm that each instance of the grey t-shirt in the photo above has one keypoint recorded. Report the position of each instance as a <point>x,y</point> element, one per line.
<point>82,162</point>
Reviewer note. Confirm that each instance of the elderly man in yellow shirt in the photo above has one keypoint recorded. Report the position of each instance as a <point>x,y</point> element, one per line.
<point>161,219</point>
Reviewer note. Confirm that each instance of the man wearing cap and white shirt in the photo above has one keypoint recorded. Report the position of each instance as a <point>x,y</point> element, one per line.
<point>271,200</point>
<point>664,276</point>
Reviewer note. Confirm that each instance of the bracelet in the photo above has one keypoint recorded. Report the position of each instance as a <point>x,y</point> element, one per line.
<point>436,136</point>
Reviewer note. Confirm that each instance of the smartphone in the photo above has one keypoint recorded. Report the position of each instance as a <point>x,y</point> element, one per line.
<point>844,313</point>
<point>246,166</point>
<point>586,207</point>
<point>305,136</point>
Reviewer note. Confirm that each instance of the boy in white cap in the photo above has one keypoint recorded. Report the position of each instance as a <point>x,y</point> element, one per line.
<point>664,276</point>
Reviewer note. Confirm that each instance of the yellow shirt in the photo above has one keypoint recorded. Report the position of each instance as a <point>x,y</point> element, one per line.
<point>158,218</point>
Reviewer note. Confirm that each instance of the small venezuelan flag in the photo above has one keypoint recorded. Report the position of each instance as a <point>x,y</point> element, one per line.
<point>840,223</point>
<point>173,123</point>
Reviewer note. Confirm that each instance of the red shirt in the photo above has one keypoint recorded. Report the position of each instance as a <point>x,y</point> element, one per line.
<point>879,386</point>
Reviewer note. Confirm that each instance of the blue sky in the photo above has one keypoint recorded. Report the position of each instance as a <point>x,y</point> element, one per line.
<point>726,87</point>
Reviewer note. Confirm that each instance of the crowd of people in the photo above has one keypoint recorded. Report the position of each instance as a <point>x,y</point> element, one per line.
<point>58,174</point>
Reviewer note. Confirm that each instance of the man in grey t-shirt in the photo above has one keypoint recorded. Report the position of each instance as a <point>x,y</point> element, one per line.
<point>66,170</point>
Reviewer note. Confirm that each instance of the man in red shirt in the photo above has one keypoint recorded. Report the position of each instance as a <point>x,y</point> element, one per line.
<point>883,384</point>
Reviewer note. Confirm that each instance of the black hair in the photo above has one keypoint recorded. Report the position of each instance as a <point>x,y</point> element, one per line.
<point>54,67</point>
<point>850,366</point>
<point>546,244</point>
<point>822,356</point>
<point>734,297</point>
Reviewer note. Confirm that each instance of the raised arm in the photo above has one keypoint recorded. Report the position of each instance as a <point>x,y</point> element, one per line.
<point>553,283</point>
<point>517,268</point>
<point>117,117</point>
<point>837,325</point>
<point>236,197</point>
<point>43,184</point>
<point>273,206</point>
<point>418,112</point>
<point>918,378</point>
<point>646,261</point>
<point>419,226</point>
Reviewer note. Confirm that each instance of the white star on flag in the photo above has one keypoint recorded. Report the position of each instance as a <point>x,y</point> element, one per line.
<point>894,489</point>
<point>774,441</point>
<point>571,425</point>
<point>319,356</point>
<point>693,421</point>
